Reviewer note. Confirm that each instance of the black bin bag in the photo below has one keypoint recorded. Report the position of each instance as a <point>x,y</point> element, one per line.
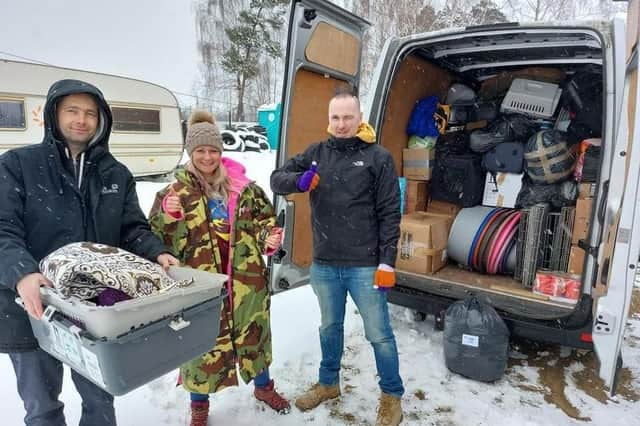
<point>458,179</point>
<point>476,340</point>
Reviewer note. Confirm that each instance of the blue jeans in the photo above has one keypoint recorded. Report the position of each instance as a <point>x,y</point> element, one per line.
<point>39,377</point>
<point>331,285</point>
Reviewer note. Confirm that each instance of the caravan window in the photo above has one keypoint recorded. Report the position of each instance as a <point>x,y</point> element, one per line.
<point>12,114</point>
<point>126,119</point>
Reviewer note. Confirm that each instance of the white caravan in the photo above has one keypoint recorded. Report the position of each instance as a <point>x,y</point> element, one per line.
<point>146,136</point>
<point>324,50</point>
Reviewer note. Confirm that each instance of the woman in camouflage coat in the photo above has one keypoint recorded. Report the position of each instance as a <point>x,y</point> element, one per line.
<point>217,220</point>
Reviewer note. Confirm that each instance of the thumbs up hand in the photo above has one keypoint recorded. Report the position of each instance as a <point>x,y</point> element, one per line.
<point>309,179</point>
<point>171,204</point>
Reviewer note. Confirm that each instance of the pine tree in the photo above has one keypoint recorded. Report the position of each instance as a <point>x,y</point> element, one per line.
<point>250,41</point>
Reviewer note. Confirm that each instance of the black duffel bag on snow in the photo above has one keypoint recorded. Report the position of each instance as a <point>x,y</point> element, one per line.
<point>458,179</point>
<point>476,340</point>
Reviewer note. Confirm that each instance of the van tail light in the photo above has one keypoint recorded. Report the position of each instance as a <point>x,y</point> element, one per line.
<point>586,337</point>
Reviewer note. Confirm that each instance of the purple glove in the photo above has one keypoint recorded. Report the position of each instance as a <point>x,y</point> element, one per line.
<point>309,179</point>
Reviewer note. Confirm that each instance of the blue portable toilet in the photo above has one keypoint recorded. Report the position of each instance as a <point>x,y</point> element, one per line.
<point>269,118</point>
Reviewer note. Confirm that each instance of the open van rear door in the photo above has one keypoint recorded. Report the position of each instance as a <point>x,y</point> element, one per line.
<point>621,238</point>
<point>323,53</point>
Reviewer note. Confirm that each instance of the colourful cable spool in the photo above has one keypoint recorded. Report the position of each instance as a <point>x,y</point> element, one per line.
<point>478,236</point>
<point>493,238</point>
<point>508,264</point>
<point>482,231</point>
<point>483,253</point>
<point>462,232</point>
<point>506,234</point>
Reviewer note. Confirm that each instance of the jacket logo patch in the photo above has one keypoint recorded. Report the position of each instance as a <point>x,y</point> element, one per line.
<point>113,190</point>
<point>358,163</point>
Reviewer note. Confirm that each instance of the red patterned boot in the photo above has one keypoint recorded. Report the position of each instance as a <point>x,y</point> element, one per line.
<point>199,413</point>
<point>273,399</point>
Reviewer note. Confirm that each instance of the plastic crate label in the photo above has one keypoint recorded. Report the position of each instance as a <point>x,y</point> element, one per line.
<point>66,344</point>
<point>92,365</point>
<point>470,340</point>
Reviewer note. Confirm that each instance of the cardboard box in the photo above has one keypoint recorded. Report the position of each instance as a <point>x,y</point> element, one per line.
<point>582,220</point>
<point>417,193</point>
<point>444,209</point>
<point>586,190</point>
<point>417,163</point>
<point>576,260</point>
<point>503,190</point>
<point>423,242</point>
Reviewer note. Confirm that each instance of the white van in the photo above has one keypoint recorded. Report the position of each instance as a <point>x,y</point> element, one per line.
<point>146,135</point>
<point>324,52</point>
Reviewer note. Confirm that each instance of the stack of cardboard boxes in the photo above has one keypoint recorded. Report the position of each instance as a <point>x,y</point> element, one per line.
<point>425,225</point>
<point>416,169</point>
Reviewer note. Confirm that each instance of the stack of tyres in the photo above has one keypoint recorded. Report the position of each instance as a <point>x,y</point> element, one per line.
<point>124,346</point>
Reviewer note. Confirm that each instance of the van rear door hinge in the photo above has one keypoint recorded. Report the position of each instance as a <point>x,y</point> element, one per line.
<point>590,250</point>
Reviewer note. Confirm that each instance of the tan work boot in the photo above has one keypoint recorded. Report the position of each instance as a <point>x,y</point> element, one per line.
<point>389,411</point>
<point>317,394</point>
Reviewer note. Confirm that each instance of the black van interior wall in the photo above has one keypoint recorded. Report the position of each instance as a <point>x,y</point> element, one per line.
<point>414,80</point>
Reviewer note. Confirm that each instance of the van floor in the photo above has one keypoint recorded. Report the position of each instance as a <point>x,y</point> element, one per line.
<point>502,284</point>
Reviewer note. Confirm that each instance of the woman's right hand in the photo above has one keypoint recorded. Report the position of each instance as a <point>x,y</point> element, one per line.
<point>172,203</point>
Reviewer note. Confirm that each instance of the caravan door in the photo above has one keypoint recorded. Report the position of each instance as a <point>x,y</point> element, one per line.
<point>618,253</point>
<point>323,54</point>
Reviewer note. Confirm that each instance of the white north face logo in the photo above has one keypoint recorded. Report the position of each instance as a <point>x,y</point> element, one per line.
<point>358,163</point>
<point>112,190</point>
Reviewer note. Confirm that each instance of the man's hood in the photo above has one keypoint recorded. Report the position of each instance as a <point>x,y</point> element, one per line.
<point>68,87</point>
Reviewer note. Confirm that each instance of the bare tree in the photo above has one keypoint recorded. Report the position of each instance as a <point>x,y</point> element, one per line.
<point>557,10</point>
<point>215,90</point>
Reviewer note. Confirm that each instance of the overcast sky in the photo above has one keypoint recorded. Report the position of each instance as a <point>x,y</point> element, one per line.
<point>152,40</point>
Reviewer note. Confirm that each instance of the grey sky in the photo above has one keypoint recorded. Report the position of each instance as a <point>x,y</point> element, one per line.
<point>152,40</point>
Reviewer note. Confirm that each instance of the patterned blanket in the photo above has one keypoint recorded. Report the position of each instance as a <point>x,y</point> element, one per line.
<point>84,270</point>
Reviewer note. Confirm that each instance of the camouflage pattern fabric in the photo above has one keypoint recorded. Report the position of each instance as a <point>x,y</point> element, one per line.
<point>245,332</point>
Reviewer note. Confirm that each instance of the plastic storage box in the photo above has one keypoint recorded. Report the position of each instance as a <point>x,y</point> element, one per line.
<point>109,322</point>
<point>534,98</point>
<point>124,346</point>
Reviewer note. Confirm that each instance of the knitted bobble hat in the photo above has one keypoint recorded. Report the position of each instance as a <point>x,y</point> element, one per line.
<point>203,131</point>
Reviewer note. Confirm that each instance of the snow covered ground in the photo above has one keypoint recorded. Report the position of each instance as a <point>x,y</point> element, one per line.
<point>544,385</point>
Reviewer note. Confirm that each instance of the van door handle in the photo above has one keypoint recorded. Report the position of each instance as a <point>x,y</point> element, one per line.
<point>605,271</point>
<point>603,201</point>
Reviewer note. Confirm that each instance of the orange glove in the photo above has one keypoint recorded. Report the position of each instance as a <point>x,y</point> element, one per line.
<point>384,278</point>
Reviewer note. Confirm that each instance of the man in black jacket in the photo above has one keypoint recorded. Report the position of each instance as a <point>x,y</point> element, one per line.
<point>355,219</point>
<point>67,189</point>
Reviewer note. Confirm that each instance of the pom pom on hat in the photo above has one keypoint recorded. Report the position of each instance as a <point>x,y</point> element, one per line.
<point>203,131</point>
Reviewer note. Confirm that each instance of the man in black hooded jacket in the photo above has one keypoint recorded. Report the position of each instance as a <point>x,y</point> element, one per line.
<point>355,218</point>
<point>67,189</point>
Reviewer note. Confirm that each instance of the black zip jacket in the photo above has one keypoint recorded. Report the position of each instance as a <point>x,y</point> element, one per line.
<point>355,209</point>
<point>42,208</point>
